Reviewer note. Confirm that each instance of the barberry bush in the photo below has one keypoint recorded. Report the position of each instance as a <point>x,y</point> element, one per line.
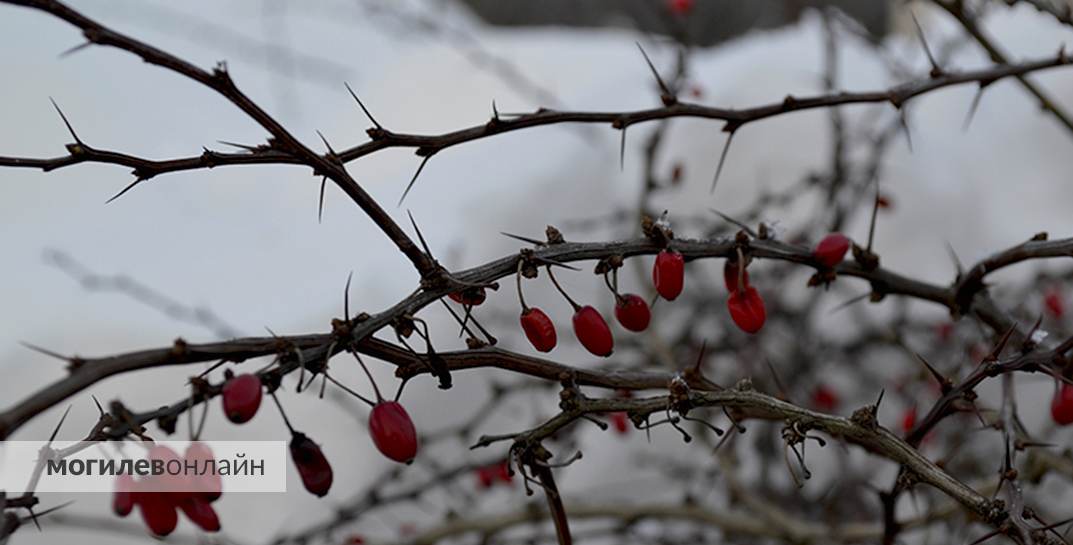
<point>746,408</point>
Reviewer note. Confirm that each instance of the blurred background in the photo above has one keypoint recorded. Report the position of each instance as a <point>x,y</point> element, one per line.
<point>231,251</point>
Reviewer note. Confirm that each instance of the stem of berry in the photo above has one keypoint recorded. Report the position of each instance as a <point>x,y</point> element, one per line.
<point>379,398</point>
<point>613,286</point>
<point>518,278</point>
<point>281,412</point>
<point>741,268</point>
<point>561,290</point>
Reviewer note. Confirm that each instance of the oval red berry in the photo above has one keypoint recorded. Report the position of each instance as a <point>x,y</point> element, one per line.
<point>539,329</point>
<point>632,312</point>
<point>312,466</point>
<point>158,512</point>
<point>198,510</point>
<point>592,331</point>
<point>123,497</point>
<point>747,309</point>
<point>831,250</point>
<point>242,397</point>
<point>668,274</point>
<point>393,431</point>
<point>1062,405</point>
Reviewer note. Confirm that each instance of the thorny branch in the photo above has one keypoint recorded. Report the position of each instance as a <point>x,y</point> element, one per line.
<point>966,295</point>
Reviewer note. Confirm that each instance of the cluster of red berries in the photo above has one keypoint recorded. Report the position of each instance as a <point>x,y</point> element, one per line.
<point>159,509</point>
<point>744,303</point>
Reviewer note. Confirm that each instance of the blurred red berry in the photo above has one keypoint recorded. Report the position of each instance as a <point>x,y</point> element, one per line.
<point>680,7</point>
<point>241,397</point>
<point>1052,301</point>
<point>208,485</point>
<point>124,494</point>
<point>312,466</point>
<point>198,510</point>
<point>620,421</point>
<point>747,309</point>
<point>158,512</point>
<point>830,251</point>
<point>469,296</point>
<point>1062,405</point>
<point>824,398</point>
<point>909,419</point>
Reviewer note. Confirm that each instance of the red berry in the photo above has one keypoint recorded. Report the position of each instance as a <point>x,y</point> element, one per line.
<point>676,173</point>
<point>469,296</point>
<point>944,330</point>
<point>1062,405</point>
<point>621,422</point>
<point>210,485</point>
<point>123,497</point>
<point>1053,302</point>
<point>830,251</point>
<point>884,202</point>
<point>393,431</point>
<point>591,329</point>
<point>539,329</point>
<point>242,397</point>
<point>668,274</point>
<point>158,512</point>
<point>488,475</point>
<point>909,419</point>
<point>747,309</point>
<point>502,472</point>
<point>632,312</point>
<point>730,275</point>
<point>485,478</point>
<point>198,510</point>
<point>824,398</point>
<point>680,7</point>
<point>312,466</point>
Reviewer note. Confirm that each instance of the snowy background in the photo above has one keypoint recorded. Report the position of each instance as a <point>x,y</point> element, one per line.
<point>245,242</point>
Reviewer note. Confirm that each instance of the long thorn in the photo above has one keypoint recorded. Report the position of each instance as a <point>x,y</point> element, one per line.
<point>65,122</point>
<point>722,160</point>
<point>414,179</point>
<point>972,108</point>
<point>59,425</point>
<point>320,201</point>
<point>125,189</point>
<point>662,86</point>
<point>362,106</point>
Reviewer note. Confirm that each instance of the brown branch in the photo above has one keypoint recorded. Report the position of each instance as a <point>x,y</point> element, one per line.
<point>219,80</point>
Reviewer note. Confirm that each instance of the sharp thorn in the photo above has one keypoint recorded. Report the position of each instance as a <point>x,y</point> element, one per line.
<point>414,179</point>
<point>65,121</point>
<point>722,160</point>
<point>125,189</point>
<point>362,106</point>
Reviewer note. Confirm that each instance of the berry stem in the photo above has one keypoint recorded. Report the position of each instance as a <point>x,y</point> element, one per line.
<point>741,268</point>
<point>282,413</point>
<point>561,290</point>
<point>613,286</point>
<point>379,398</point>
<point>518,278</point>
